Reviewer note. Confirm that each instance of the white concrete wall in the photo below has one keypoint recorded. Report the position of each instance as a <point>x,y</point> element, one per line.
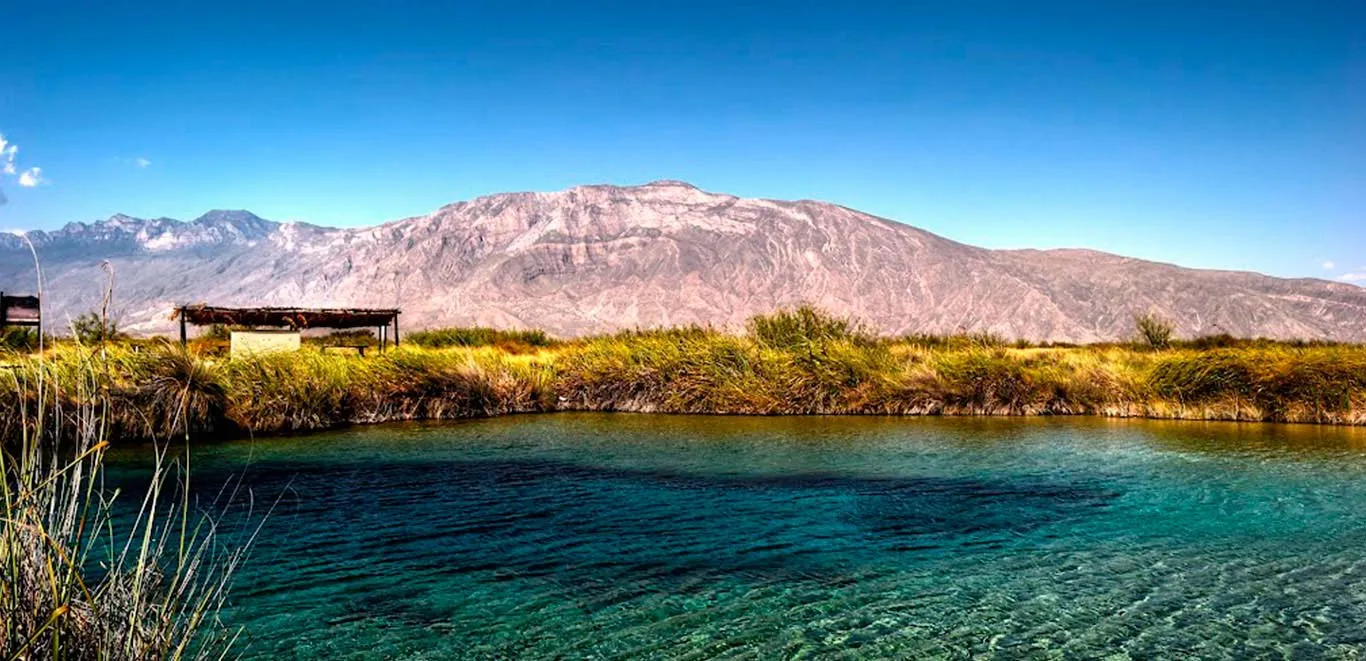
<point>246,343</point>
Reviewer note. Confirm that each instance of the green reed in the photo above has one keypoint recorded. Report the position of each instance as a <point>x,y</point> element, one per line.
<point>77,581</point>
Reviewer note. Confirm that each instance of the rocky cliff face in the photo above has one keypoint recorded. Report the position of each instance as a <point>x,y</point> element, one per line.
<point>600,258</point>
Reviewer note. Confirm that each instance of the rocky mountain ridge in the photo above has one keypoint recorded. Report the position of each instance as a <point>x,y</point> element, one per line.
<point>600,258</point>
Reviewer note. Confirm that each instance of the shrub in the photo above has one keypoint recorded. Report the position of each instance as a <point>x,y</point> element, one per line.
<point>219,332</point>
<point>1153,330</point>
<point>180,395</point>
<point>91,328</point>
<point>672,370</point>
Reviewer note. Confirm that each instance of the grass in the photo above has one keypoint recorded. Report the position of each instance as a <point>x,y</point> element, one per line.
<point>793,362</point>
<point>515,341</point>
<point>158,390</point>
<point>1317,384</point>
<point>313,390</point>
<point>77,580</point>
<point>17,338</point>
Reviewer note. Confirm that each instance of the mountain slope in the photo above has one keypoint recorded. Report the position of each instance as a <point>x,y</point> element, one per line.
<point>599,258</point>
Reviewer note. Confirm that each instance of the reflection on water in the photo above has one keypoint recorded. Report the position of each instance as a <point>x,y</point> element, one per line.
<point>1216,437</point>
<point>638,536</point>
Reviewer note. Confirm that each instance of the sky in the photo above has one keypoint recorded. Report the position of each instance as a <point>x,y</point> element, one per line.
<point>1219,134</point>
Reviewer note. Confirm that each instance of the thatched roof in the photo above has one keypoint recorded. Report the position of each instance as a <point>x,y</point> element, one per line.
<point>298,318</point>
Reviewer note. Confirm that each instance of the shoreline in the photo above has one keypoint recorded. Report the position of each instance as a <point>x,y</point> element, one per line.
<point>1204,415</point>
<point>157,390</point>
<point>1099,417</point>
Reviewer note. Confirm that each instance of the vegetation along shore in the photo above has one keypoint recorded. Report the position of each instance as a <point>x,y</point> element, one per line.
<point>791,362</point>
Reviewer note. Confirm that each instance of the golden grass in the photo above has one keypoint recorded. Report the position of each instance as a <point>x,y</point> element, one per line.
<point>791,363</point>
<point>77,582</point>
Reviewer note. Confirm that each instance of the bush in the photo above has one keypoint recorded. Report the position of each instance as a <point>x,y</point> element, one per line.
<point>218,332</point>
<point>1154,330</point>
<point>672,370</point>
<point>91,328</point>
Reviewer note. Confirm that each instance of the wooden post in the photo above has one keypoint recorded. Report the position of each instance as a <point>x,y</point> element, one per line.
<point>395,330</point>
<point>183,339</point>
<point>380,333</point>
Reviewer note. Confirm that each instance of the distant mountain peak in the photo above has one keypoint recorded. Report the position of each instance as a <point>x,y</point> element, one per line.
<point>122,232</point>
<point>219,216</point>
<point>116,222</point>
<point>670,183</point>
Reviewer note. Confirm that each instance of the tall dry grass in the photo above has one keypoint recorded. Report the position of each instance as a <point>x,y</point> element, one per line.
<point>81,575</point>
<point>802,361</point>
<point>793,362</point>
<point>157,390</point>
<point>313,390</point>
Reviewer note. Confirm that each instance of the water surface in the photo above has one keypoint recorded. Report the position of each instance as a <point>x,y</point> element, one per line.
<point>680,537</point>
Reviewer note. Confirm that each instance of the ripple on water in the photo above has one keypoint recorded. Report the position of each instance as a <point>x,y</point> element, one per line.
<point>906,540</point>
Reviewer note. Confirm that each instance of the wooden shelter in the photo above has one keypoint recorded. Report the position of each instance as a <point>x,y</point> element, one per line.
<point>296,319</point>
<point>20,311</point>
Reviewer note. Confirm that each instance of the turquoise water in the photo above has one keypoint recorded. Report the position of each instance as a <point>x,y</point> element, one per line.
<point>676,537</point>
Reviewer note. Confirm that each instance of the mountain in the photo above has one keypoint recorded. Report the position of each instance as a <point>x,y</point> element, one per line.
<point>600,258</point>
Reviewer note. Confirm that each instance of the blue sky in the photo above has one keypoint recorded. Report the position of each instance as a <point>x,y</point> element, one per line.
<point>1226,134</point>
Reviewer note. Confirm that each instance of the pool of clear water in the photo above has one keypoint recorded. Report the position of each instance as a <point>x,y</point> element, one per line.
<point>687,537</point>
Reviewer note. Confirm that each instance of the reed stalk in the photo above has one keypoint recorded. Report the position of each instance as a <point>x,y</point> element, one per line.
<point>82,575</point>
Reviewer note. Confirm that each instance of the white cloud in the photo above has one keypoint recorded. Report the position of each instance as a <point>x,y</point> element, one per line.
<point>1328,266</point>
<point>141,162</point>
<point>9,155</point>
<point>1359,276</point>
<point>32,177</point>
<point>8,151</point>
